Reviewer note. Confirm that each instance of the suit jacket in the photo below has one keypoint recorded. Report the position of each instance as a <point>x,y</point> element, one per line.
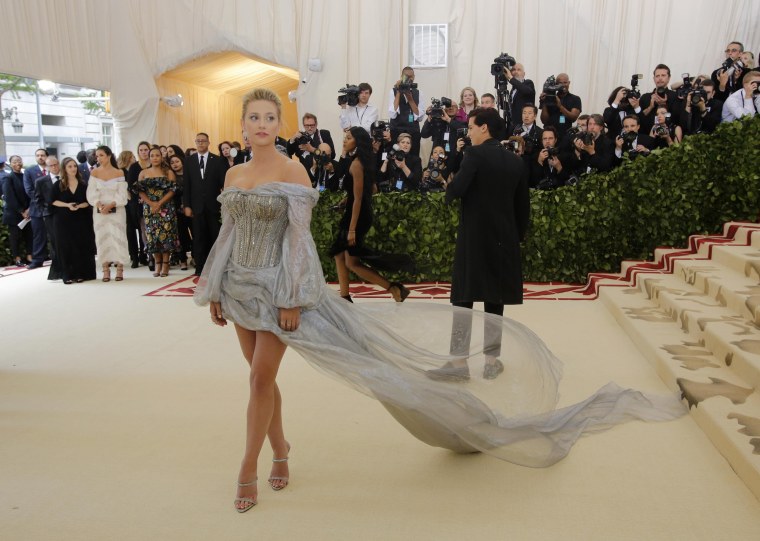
<point>16,200</point>
<point>492,184</point>
<point>642,139</point>
<point>647,121</point>
<point>30,176</point>
<point>322,136</point>
<point>242,157</point>
<point>84,170</point>
<point>201,191</point>
<point>43,194</point>
<point>522,93</point>
<point>603,157</point>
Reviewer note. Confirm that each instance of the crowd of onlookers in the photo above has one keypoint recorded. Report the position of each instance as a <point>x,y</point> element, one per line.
<point>158,206</point>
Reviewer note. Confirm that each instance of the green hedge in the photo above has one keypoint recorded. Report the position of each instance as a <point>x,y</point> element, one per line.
<point>660,200</point>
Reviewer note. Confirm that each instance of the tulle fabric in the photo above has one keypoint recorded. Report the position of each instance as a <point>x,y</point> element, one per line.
<point>386,350</point>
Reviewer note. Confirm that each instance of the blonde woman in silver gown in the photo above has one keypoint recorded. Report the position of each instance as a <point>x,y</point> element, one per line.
<point>107,194</point>
<point>264,275</point>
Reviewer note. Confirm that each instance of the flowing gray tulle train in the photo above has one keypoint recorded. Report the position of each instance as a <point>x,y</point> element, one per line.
<point>388,350</point>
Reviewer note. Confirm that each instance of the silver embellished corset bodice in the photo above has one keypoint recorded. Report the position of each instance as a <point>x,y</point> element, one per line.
<point>260,223</point>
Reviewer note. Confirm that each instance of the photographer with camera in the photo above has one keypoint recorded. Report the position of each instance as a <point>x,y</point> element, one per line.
<point>404,110</point>
<point>441,124</point>
<point>745,101</point>
<point>631,142</point>
<point>523,92</point>
<point>531,134</point>
<point>665,131</point>
<point>702,110</point>
<point>622,102</point>
<point>304,143</point>
<point>548,172</point>
<point>324,172</point>
<point>436,174</point>
<point>559,108</point>
<point>661,95</point>
<point>401,170</point>
<point>728,77</point>
<point>593,149</point>
<point>355,107</point>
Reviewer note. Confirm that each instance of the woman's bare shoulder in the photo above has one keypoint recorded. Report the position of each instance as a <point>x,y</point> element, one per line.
<point>295,173</point>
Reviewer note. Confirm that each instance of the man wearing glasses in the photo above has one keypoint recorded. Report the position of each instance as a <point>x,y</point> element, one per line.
<point>204,181</point>
<point>728,77</point>
<point>304,143</point>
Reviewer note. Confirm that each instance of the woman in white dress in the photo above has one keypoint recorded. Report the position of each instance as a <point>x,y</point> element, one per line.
<point>107,193</point>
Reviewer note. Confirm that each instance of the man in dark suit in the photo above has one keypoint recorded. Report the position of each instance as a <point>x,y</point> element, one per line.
<point>43,194</point>
<point>598,154</point>
<point>492,184</point>
<point>631,141</point>
<point>523,93</point>
<point>84,167</point>
<point>303,144</point>
<point>661,95</point>
<point>204,181</point>
<point>39,235</point>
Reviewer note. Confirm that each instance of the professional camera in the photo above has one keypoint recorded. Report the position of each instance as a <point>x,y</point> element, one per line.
<point>628,138</point>
<point>548,184</point>
<point>350,95</point>
<point>435,166</point>
<point>586,137</point>
<point>552,152</point>
<point>551,87</point>
<point>685,88</point>
<point>572,180</point>
<point>322,158</point>
<point>661,130</point>
<point>514,143</point>
<point>731,66</point>
<point>462,134</point>
<point>303,139</point>
<point>502,61</point>
<point>633,92</point>
<point>396,154</point>
<point>662,92</point>
<point>378,129</point>
<point>573,132</point>
<point>699,93</point>
<point>406,85</point>
<point>438,106</point>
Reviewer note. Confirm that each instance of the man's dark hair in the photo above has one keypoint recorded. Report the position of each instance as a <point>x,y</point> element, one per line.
<point>740,44</point>
<point>634,117</point>
<point>535,109</point>
<point>406,68</point>
<point>365,86</point>
<point>311,116</point>
<point>488,95</point>
<point>203,133</point>
<point>43,150</point>
<point>582,117</point>
<point>598,119</point>
<point>81,156</point>
<point>489,117</point>
<point>551,129</point>
<point>661,67</point>
<point>708,82</point>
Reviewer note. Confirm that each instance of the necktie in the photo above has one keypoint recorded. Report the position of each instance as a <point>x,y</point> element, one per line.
<point>203,169</point>
<point>44,171</point>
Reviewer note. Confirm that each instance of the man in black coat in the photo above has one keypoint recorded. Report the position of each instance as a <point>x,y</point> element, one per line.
<point>304,143</point>
<point>204,181</point>
<point>523,93</point>
<point>492,184</point>
<point>43,195</point>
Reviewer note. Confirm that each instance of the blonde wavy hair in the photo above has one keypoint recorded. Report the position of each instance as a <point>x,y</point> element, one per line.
<point>262,94</point>
<point>475,104</point>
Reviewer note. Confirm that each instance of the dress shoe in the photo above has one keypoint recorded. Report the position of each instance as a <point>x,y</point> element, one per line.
<point>492,369</point>
<point>449,372</point>
<point>34,265</point>
<point>135,263</point>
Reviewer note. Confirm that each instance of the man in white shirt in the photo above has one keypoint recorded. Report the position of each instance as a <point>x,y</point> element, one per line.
<point>405,110</point>
<point>362,114</point>
<point>744,101</point>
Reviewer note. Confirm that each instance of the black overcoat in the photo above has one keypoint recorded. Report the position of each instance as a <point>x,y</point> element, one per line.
<point>492,184</point>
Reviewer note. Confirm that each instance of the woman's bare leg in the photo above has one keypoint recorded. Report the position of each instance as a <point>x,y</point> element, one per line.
<point>265,351</point>
<point>342,270</point>
<point>365,273</point>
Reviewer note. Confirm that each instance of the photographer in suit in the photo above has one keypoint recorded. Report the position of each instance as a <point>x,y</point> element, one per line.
<point>621,104</point>
<point>661,95</point>
<point>530,133</point>
<point>492,186</point>
<point>523,92</point>
<point>594,150</point>
<point>304,143</point>
<point>631,142</point>
<point>325,172</point>
<point>548,171</point>
<point>204,181</point>
<point>728,77</point>
<point>442,126</point>
<point>702,110</point>
<point>404,109</point>
<point>401,171</point>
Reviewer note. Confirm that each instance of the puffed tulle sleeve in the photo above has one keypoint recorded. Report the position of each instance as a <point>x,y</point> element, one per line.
<point>210,282</point>
<point>122,193</point>
<point>299,281</point>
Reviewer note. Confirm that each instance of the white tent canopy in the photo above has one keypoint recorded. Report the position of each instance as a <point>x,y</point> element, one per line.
<point>125,45</point>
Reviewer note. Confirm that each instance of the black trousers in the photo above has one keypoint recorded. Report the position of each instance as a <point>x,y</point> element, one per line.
<point>55,267</point>
<point>16,235</point>
<point>134,237</point>
<point>184,226</point>
<point>39,240</point>
<point>206,226</point>
<point>461,330</point>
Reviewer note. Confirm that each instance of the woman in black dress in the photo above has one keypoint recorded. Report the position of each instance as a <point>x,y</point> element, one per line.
<point>184,224</point>
<point>348,247</point>
<point>72,220</point>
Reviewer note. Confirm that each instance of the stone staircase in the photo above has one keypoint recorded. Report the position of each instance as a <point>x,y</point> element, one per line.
<point>695,314</point>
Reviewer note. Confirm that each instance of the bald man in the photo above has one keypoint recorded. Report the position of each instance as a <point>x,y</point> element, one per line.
<point>562,109</point>
<point>523,93</point>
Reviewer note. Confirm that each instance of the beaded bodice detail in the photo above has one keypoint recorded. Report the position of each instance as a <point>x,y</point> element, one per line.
<point>260,223</point>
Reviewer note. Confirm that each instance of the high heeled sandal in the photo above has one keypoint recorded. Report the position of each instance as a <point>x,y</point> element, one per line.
<point>119,272</point>
<point>347,297</point>
<point>106,272</point>
<point>249,501</point>
<point>399,291</point>
<point>156,267</point>
<point>275,478</point>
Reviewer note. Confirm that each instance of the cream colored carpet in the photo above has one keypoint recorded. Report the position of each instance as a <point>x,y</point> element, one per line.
<point>122,417</point>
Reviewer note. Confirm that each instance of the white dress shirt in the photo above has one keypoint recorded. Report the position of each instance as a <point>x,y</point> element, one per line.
<point>358,116</point>
<point>738,105</point>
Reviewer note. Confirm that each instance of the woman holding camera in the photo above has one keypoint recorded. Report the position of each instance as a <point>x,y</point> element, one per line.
<point>436,175</point>
<point>664,131</point>
<point>348,248</point>
<point>402,171</point>
<point>108,195</point>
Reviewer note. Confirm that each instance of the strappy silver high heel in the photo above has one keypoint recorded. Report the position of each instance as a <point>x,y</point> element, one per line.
<point>274,478</point>
<point>249,501</point>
